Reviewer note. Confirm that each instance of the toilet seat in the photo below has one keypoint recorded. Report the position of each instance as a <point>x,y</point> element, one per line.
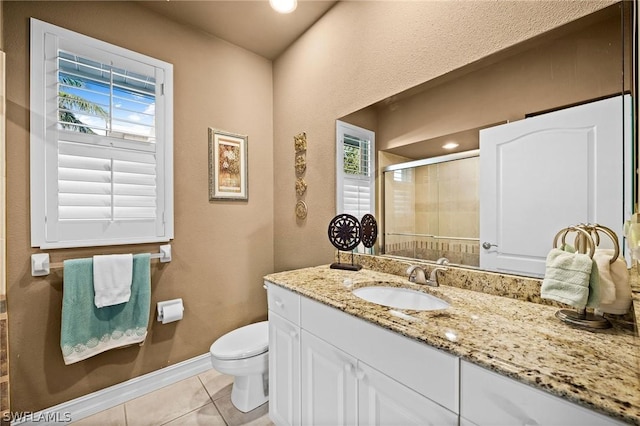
<point>244,342</point>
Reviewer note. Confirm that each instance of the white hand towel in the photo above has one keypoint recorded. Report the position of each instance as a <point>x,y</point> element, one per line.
<point>620,276</point>
<point>112,277</point>
<point>568,278</point>
<point>607,286</point>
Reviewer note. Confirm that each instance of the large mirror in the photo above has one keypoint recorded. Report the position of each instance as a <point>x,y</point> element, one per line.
<point>586,60</point>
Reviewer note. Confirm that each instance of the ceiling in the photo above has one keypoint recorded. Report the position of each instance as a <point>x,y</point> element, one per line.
<point>250,24</point>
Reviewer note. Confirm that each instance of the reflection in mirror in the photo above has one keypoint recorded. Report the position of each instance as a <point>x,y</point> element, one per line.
<point>576,63</point>
<point>431,209</point>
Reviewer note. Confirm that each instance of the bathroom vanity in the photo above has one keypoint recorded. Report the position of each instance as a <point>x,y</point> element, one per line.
<point>337,359</point>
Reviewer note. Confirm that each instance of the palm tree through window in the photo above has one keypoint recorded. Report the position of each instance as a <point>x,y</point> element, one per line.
<point>98,99</point>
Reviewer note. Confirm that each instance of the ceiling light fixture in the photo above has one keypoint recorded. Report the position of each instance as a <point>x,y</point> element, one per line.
<point>450,145</point>
<point>283,6</point>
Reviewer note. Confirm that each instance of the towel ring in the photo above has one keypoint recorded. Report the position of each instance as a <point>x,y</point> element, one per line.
<point>593,229</point>
<point>580,232</point>
<point>580,317</point>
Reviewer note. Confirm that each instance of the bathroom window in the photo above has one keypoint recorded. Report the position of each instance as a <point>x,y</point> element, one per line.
<point>355,166</point>
<point>101,142</point>
<point>403,175</point>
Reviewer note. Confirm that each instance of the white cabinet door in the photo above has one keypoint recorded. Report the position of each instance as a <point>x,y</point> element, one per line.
<point>488,398</point>
<point>284,371</point>
<point>428,371</point>
<point>329,384</point>
<point>383,401</point>
<point>545,173</point>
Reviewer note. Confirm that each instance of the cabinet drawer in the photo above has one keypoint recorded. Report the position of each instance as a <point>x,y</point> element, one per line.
<point>488,398</point>
<point>428,371</point>
<point>284,302</point>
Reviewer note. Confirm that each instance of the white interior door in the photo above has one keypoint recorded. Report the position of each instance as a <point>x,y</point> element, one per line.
<point>545,173</point>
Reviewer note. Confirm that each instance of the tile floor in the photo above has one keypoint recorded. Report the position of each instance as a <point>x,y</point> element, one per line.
<point>200,400</point>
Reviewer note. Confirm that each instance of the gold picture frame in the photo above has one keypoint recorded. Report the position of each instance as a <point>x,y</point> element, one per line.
<point>228,174</point>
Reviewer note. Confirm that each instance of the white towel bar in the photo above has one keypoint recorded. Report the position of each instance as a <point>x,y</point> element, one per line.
<point>41,266</point>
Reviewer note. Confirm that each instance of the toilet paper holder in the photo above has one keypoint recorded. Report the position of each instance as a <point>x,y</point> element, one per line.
<point>165,304</point>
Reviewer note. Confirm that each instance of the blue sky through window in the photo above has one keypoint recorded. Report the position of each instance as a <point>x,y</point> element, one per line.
<point>107,100</point>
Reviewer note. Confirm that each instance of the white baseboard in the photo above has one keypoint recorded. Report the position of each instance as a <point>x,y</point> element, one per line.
<point>95,402</point>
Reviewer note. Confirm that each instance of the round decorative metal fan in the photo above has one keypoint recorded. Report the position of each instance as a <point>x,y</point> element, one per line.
<point>345,232</point>
<point>369,230</point>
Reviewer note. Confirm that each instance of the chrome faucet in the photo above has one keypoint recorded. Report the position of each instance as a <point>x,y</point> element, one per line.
<point>418,275</point>
<point>433,277</point>
<point>442,261</point>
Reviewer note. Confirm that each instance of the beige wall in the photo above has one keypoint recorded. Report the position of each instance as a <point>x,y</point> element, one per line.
<point>338,67</point>
<point>221,250</point>
<point>585,63</point>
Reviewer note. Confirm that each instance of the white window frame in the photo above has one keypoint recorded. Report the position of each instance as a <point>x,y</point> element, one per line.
<point>47,231</point>
<point>343,128</point>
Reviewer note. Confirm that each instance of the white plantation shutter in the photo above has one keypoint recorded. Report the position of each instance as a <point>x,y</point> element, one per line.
<point>355,170</point>
<point>105,183</point>
<point>101,144</point>
<point>356,196</point>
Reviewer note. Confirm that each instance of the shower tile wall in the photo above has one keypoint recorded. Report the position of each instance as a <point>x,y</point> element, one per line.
<point>439,199</point>
<point>427,205</point>
<point>457,202</point>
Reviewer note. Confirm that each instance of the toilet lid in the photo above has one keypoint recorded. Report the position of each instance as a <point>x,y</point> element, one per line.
<point>244,342</point>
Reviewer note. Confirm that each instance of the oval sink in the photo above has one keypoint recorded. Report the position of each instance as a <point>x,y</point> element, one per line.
<point>400,298</point>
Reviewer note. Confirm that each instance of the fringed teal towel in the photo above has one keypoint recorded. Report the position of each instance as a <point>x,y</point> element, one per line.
<point>88,330</point>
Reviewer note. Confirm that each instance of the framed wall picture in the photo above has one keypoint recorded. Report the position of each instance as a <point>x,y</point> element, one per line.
<point>228,175</point>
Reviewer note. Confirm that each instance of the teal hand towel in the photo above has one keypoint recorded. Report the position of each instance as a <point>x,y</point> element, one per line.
<point>567,277</point>
<point>88,330</point>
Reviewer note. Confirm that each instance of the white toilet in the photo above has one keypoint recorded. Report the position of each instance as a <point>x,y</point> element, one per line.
<point>244,354</point>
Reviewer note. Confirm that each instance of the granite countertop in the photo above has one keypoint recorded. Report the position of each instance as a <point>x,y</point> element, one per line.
<point>519,339</point>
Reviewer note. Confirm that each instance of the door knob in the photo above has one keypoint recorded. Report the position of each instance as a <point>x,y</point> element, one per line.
<point>487,245</point>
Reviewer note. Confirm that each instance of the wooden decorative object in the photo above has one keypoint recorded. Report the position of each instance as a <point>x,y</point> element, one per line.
<point>301,164</point>
<point>300,142</point>
<point>300,145</point>
<point>301,210</point>
<point>301,186</point>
